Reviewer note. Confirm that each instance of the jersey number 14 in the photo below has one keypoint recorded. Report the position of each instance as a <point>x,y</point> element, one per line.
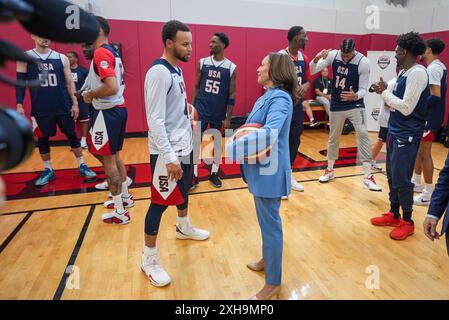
<point>212,86</point>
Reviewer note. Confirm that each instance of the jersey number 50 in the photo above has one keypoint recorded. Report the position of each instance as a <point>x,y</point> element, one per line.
<point>51,81</point>
<point>212,86</point>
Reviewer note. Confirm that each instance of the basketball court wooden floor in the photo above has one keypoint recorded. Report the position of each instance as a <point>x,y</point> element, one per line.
<point>53,244</point>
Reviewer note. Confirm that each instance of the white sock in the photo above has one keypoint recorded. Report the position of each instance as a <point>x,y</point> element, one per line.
<point>183,221</point>
<point>118,202</point>
<point>214,168</point>
<point>330,165</point>
<point>125,192</point>
<point>416,179</point>
<point>367,169</point>
<point>80,161</point>
<point>428,188</point>
<point>195,170</point>
<point>312,119</point>
<point>83,140</point>
<point>150,251</point>
<point>47,165</point>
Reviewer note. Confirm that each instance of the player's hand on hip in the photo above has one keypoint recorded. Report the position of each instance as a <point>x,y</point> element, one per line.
<point>430,226</point>
<point>75,112</point>
<point>174,171</point>
<point>20,109</point>
<point>349,95</point>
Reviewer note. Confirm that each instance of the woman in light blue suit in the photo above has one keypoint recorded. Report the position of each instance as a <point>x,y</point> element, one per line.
<point>269,179</point>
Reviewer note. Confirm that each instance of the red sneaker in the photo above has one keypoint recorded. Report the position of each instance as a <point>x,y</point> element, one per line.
<point>386,220</point>
<point>403,230</point>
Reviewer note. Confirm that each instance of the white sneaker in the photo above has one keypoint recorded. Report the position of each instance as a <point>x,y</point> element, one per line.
<point>327,176</point>
<point>190,232</point>
<point>297,186</point>
<point>371,184</point>
<point>376,166</point>
<point>115,218</point>
<point>422,199</point>
<point>104,185</point>
<point>418,188</point>
<point>127,203</point>
<point>151,266</point>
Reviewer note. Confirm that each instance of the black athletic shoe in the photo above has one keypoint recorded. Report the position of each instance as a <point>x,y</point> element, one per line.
<point>314,124</point>
<point>215,180</point>
<point>195,183</point>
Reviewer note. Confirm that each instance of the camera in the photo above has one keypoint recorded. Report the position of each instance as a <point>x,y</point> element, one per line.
<point>16,138</point>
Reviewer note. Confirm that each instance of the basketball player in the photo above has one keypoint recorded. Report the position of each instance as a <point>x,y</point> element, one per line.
<point>435,118</point>
<point>297,40</point>
<point>171,146</point>
<point>104,89</point>
<point>79,74</point>
<point>384,116</point>
<point>214,94</point>
<point>351,71</point>
<point>53,103</point>
<point>88,52</point>
<point>408,105</point>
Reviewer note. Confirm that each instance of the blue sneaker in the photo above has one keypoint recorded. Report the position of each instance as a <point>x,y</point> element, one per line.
<point>84,170</point>
<point>45,177</point>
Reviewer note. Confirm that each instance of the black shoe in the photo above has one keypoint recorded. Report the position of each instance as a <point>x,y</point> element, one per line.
<point>195,183</point>
<point>215,180</point>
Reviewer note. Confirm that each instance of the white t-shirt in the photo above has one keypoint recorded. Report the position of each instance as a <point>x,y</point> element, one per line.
<point>384,114</point>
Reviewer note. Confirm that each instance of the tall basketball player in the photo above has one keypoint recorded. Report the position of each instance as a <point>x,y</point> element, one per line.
<point>435,117</point>
<point>171,146</point>
<point>105,86</point>
<point>79,74</point>
<point>351,71</point>
<point>52,103</point>
<point>408,105</point>
<point>214,94</point>
<point>297,40</point>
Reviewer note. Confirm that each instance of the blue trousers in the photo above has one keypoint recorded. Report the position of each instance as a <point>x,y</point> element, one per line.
<point>272,237</point>
<point>401,156</point>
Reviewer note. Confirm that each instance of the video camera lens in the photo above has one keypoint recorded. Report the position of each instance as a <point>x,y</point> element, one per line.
<point>16,138</point>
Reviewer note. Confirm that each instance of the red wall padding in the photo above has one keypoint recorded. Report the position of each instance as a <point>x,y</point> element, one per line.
<point>142,44</point>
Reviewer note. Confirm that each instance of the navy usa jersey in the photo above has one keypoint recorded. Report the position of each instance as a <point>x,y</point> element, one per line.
<point>52,96</point>
<point>411,126</point>
<point>213,95</point>
<point>346,75</point>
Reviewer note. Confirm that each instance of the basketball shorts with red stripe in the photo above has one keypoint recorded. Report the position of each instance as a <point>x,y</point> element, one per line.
<point>107,131</point>
<point>428,136</point>
<point>170,193</point>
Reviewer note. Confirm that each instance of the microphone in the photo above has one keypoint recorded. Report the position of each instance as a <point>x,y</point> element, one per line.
<point>56,20</point>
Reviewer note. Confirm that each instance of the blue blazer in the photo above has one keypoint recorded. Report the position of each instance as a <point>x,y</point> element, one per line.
<point>439,204</point>
<point>271,178</point>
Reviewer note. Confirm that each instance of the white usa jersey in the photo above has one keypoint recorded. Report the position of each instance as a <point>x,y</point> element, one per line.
<point>170,133</point>
<point>106,63</point>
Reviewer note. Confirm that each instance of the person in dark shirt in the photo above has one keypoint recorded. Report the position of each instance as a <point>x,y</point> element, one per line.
<point>323,89</point>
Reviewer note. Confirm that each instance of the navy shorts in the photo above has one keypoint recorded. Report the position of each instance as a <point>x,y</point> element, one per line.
<point>107,131</point>
<point>170,193</point>
<point>383,133</point>
<point>46,126</point>
<point>84,114</point>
